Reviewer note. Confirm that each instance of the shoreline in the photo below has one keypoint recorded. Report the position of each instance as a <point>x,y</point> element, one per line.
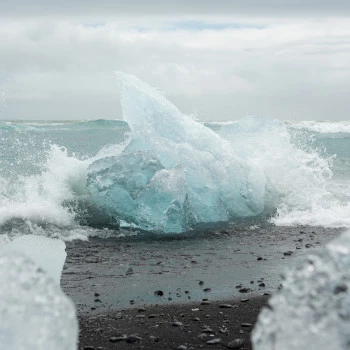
<point>142,285</point>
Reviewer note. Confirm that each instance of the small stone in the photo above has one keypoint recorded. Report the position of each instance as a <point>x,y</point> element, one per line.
<point>177,324</point>
<point>244,290</point>
<point>244,300</point>
<point>262,284</point>
<point>140,316</point>
<point>207,330</point>
<point>214,341</point>
<point>288,253</point>
<point>201,283</point>
<point>159,293</point>
<point>182,347</point>
<point>203,336</point>
<point>205,303</point>
<point>129,271</point>
<point>225,306</point>
<point>133,338</point>
<point>97,294</point>
<point>246,325</point>
<point>207,290</point>
<point>259,258</point>
<point>196,319</point>
<point>236,344</point>
<point>132,301</point>
<point>117,339</point>
<point>97,300</point>
<point>152,316</point>
<point>88,347</point>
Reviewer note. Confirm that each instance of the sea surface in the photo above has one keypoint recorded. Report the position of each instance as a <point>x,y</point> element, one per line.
<point>63,178</point>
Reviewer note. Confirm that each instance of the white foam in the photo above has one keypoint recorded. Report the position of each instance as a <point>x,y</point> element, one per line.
<point>40,198</point>
<point>324,127</point>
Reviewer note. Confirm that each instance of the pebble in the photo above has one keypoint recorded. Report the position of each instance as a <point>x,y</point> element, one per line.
<point>88,347</point>
<point>129,271</point>
<point>201,283</point>
<point>244,290</point>
<point>116,339</point>
<point>225,306</point>
<point>203,336</point>
<point>236,344</point>
<point>159,293</point>
<point>244,300</point>
<point>288,253</point>
<point>214,341</point>
<point>182,347</point>
<point>262,284</point>
<point>207,290</point>
<point>205,303</point>
<point>177,324</point>
<point>259,258</point>
<point>133,338</point>
<point>246,325</point>
<point>207,330</point>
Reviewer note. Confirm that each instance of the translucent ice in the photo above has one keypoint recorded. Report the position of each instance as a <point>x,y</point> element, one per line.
<point>173,172</point>
<point>35,314</point>
<point>313,309</point>
<point>47,253</point>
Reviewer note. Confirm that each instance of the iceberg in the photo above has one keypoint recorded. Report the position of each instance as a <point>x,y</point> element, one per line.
<point>173,172</point>
<point>313,308</point>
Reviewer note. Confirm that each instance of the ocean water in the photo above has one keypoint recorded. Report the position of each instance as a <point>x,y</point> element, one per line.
<point>159,170</point>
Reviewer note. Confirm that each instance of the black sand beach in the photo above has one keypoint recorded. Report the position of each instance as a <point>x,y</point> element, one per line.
<point>164,292</point>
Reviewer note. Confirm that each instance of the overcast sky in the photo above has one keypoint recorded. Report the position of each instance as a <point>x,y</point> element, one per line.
<point>222,59</point>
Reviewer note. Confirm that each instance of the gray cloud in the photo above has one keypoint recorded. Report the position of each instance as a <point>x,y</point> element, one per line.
<point>223,67</point>
<point>172,7</point>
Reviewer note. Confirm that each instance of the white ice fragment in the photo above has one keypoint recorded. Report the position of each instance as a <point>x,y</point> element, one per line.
<point>35,314</point>
<point>47,253</point>
<point>313,309</point>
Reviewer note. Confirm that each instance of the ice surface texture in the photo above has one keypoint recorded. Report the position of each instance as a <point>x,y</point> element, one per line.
<point>47,253</point>
<point>313,309</point>
<point>173,172</point>
<point>35,313</point>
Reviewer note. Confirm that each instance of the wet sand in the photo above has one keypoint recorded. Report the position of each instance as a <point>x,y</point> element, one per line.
<point>117,283</point>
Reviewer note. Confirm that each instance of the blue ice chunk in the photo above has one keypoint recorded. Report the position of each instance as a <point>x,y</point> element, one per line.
<point>174,172</point>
